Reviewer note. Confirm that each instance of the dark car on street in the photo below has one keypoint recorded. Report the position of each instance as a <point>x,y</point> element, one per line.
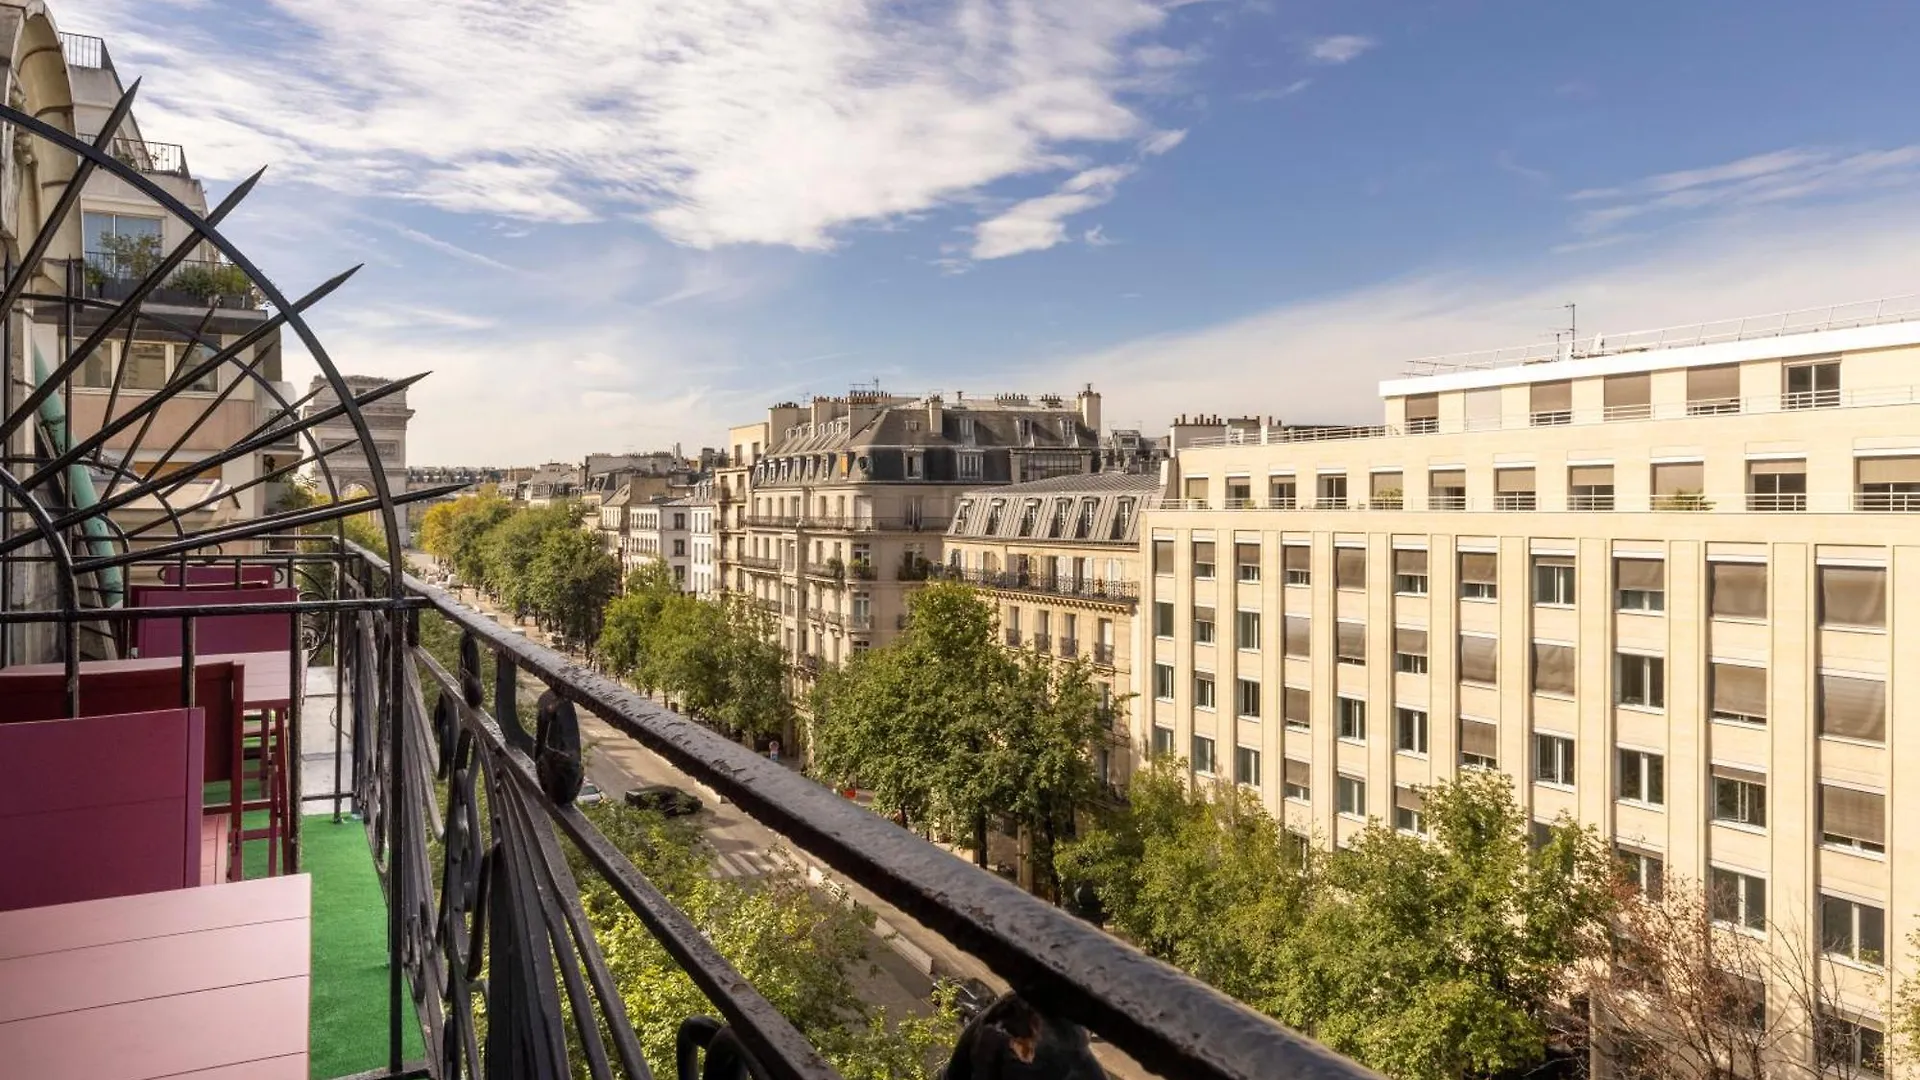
<point>663,798</point>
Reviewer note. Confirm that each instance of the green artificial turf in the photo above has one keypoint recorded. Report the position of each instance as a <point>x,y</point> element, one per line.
<point>349,987</point>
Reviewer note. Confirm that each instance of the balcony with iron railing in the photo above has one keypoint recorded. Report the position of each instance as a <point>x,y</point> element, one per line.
<point>153,158</point>
<point>1069,648</point>
<point>1828,502</point>
<point>864,523</point>
<point>85,51</point>
<point>1042,642</point>
<point>1047,584</point>
<point>1102,654</point>
<point>197,283</point>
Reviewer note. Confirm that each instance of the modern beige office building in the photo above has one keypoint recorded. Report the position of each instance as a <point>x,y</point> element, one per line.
<point>1658,582</point>
<point>1059,560</point>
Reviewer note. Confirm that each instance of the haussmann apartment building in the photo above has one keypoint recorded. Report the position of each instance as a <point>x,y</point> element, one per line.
<point>1659,583</point>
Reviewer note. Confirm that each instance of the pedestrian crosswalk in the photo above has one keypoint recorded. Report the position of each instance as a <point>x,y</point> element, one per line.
<point>742,864</point>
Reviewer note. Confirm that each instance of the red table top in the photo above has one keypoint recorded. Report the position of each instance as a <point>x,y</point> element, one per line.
<point>266,673</point>
<point>202,983</point>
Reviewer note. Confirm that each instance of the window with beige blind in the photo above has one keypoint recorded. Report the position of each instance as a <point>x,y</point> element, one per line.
<point>1203,559</point>
<point>1163,556</point>
<point>1410,650</point>
<point>1483,409</point>
<point>1297,780</point>
<point>1887,484</point>
<point>1296,563</point>
<point>1479,744</point>
<point>1640,584</point>
<point>1298,636</point>
<point>1678,485</point>
<point>1479,659</point>
<point>1410,573</point>
<point>1283,493</point>
<point>1194,490</point>
<point>1423,414</point>
<point>1447,489</point>
<point>1479,575</point>
<point>1713,390</point>
<point>1350,642</point>
<point>1590,487</point>
<point>1409,810</point>
<point>1739,693</point>
<point>1553,580</point>
<point>1853,596</point>
<point>1297,708</point>
<point>1852,818</point>
<point>1737,590</point>
<point>1629,396</point>
<point>1851,707</point>
<point>1776,486</point>
<point>1553,671</point>
<point>1349,568</point>
<point>1246,561</point>
<point>1387,491</point>
<point>1550,403</point>
<point>1203,619</point>
<point>1513,489</point>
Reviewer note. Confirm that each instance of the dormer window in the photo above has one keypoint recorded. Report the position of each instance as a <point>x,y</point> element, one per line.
<point>1029,517</point>
<point>994,510</point>
<point>1122,519</point>
<point>913,425</point>
<point>1062,512</point>
<point>1088,507</point>
<point>966,428</point>
<point>960,516</point>
<point>916,466</point>
<point>969,463</point>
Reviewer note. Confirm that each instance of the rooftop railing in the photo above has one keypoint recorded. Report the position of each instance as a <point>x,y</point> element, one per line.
<point>1089,588</point>
<point>1892,309</point>
<point>84,51</point>
<point>157,158</point>
<point>1714,502</point>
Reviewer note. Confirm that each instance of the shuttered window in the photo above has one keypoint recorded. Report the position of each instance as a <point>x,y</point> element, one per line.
<point>1629,397</point>
<point>1423,413</point>
<point>1447,489</point>
<point>1677,485</point>
<point>1479,659</point>
<point>1552,668</point>
<point>1350,642</point>
<point>1853,596</point>
<point>1853,818</point>
<point>1739,693</point>
<point>1299,634</point>
<point>1713,389</point>
<point>1552,402</point>
<point>1852,708</point>
<point>1298,777</point>
<point>1480,740</point>
<point>1409,641</point>
<point>1483,409</point>
<point>1737,590</point>
<point>1297,561</point>
<point>1350,568</point>
<point>1479,572</point>
<point>1298,706</point>
<point>1410,572</point>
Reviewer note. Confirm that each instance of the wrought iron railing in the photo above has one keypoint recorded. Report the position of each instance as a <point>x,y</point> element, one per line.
<point>157,158</point>
<point>1087,588</point>
<point>84,51</point>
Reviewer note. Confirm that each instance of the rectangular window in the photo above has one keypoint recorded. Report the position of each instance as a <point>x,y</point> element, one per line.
<point>1852,818</point>
<point>1247,631</point>
<point>1643,777</point>
<point>1246,561</point>
<point>1813,386</point>
<point>1887,483</point>
<point>1386,491</point>
<point>1350,718</point>
<point>1246,765</point>
<point>1641,680</point>
<point>1350,642</point>
<point>969,465</point>
<point>1737,590</point>
<point>1645,871</point>
<point>1552,403</point>
<point>1203,755</point>
<point>1739,796</point>
<point>1854,930</point>
<point>1553,580</point>
<point>1447,489</point>
<point>1409,810</point>
<point>1350,796</point>
<point>1629,396</point>
<point>1479,659</point>
<point>1553,669</point>
<point>1410,730</point>
<point>1513,489</point>
<point>1298,708</point>
<point>1203,626</point>
<point>1163,682</point>
<point>1479,575</point>
<point>1737,899</point>
<point>1162,741</point>
<point>1410,573</point>
<point>1297,780</point>
<point>1739,693</point>
<point>1483,409</point>
<point>1423,414</point>
<point>1679,485</point>
<point>1713,390</point>
<point>1203,689</point>
<point>1331,492</point>
<point>1162,555</point>
<point>1850,1047</point>
<point>1590,487</point>
<point>1853,596</point>
<point>1239,493</point>
<point>1553,759</point>
<point>1249,694</point>
<point>1776,486</point>
<point>1298,561</point>
<point>1640,584</point>
<point>1853,708</point>
<point>1203,559</point>
<point>1282,493</point>
<point>1162,618</point>
<point>1349,568</point>
<point>1479,744</point>
<point>1409,650</point>
<point>1298,635</point>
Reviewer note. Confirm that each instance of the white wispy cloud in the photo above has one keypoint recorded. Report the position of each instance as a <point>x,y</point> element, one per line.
<point>1339,48</point>
<point>1040,223</point>
<point>728,121</point>
<point>1275,93</point>
<point>1793,174</point>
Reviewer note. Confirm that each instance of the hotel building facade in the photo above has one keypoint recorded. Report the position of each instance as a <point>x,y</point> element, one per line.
<point>1658,584</point>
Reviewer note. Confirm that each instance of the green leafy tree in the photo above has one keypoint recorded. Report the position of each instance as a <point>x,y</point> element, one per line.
<point>684,654</point>
<point>1039,765</point>
<point>755,699</point>
<point>510,547</point>
<point>629,621</point>
<point>572,580</point>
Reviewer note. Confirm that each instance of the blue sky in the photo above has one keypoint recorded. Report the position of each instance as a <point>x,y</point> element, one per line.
<point>626,223</point>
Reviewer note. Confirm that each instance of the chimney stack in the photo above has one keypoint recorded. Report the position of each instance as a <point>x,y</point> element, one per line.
<point>1089,402</point>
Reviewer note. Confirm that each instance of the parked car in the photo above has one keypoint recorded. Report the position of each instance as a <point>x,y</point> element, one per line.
<point>590,793</point>
<point>664,798</point>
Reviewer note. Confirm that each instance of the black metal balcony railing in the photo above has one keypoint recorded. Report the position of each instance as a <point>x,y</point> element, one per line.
<point>1120,592</point>
<point>769,521</point>
<point>85,51</point>
<point>860,571</point>
<point>1013,638</point>
<point>1042,642</point>
<point>758,562</point>
<point>155,158</point>
<point>1103,654</point>
<point>1069,648</point>
<point>200,283</point>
